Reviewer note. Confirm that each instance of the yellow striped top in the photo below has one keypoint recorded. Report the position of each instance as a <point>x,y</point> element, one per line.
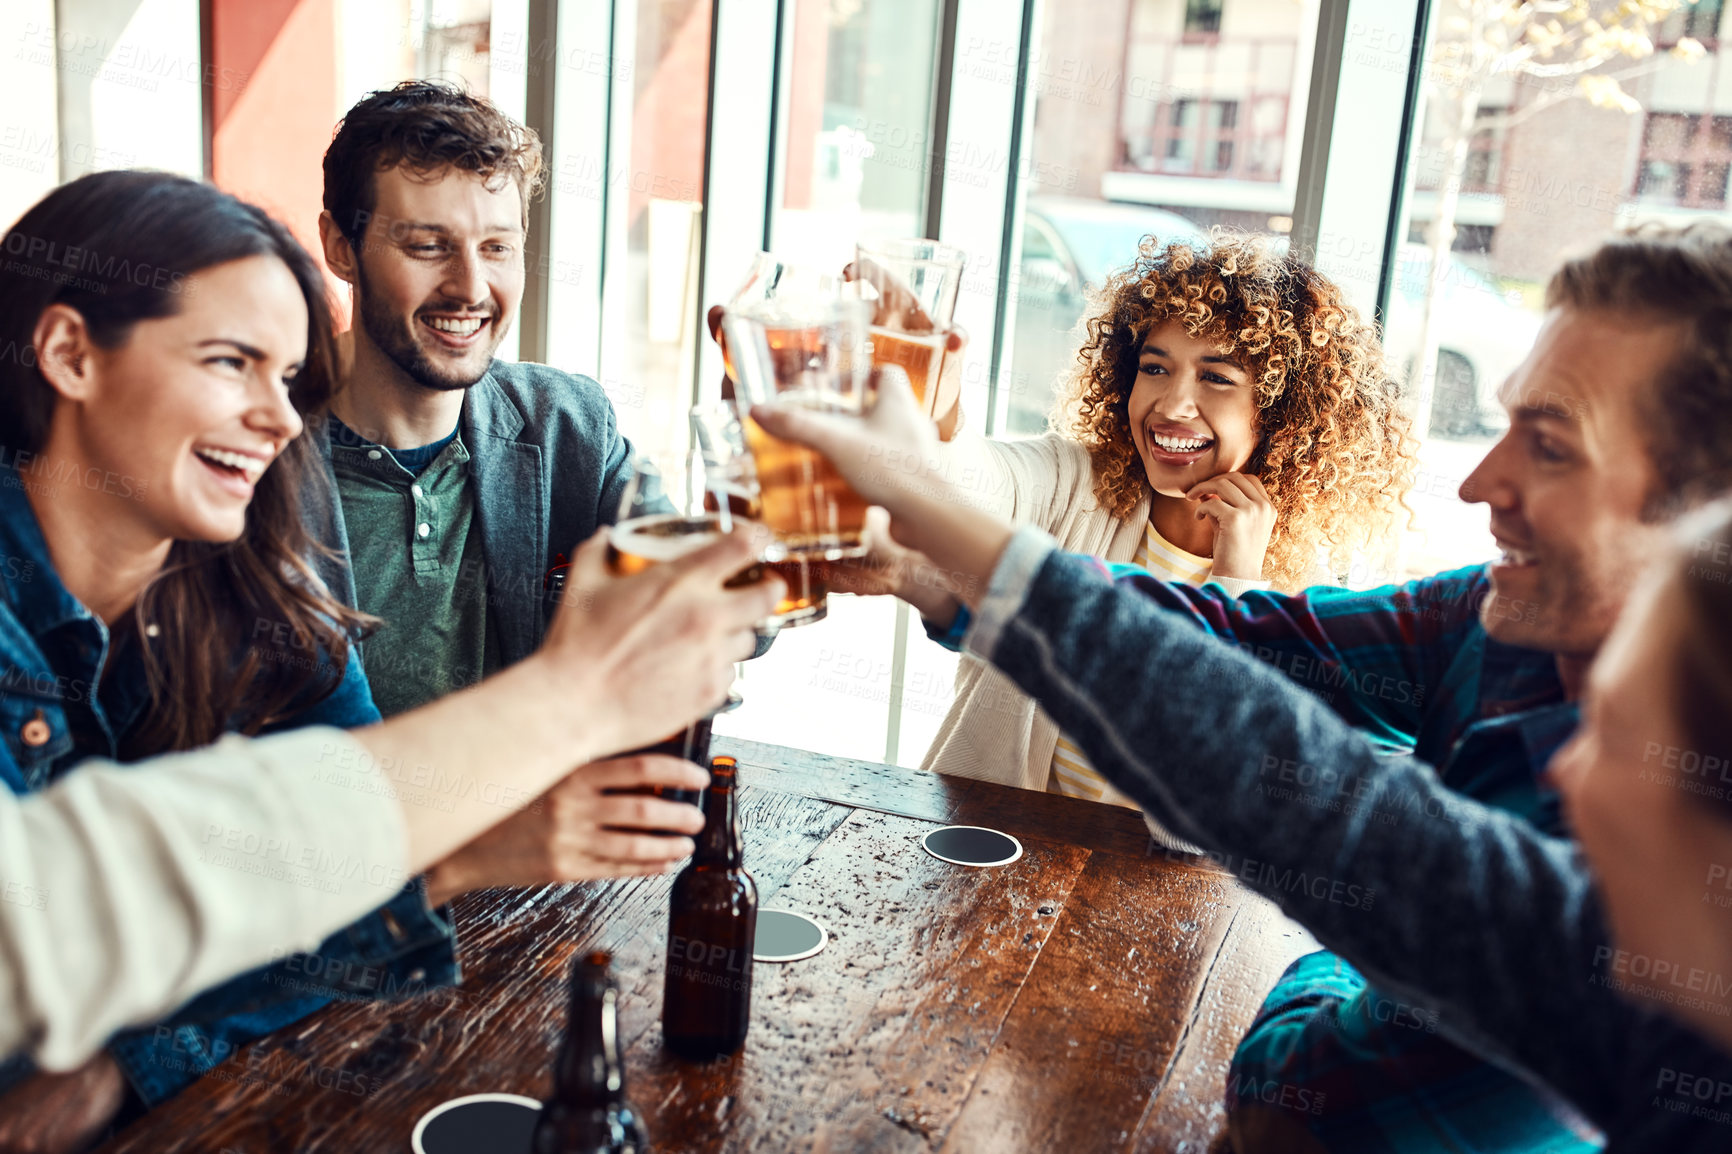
<point>1072,774</point>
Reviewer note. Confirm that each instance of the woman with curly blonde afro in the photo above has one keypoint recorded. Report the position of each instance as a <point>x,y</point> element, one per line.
<point>1231,420</point>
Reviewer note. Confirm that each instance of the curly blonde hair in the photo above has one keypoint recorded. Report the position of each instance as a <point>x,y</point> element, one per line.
<point>1333,445</point>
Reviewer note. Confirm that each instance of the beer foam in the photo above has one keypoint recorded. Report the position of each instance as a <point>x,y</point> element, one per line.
<point>664,537</point>
<point>819,401</point>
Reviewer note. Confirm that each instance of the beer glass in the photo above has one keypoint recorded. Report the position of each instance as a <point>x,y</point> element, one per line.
<point>771,277</point>
<point>811,353</point>
<point>663,519</point>
<point>912,285</point>
<point>731,484</point>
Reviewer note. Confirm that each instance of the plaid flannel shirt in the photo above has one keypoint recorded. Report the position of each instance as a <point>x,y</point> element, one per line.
<point>1412,667</point>
<point>1409,665</point>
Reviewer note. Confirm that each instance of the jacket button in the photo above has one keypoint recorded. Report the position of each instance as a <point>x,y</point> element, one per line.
<point>35,732</point>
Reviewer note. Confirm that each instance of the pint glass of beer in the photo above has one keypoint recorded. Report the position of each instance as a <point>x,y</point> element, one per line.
<point>912,285</point>
<point>812,353</point>
<point>769,278</point>
<point>731,484</point>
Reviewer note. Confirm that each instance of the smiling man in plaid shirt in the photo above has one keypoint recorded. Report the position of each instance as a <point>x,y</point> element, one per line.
<point>1617,421</point>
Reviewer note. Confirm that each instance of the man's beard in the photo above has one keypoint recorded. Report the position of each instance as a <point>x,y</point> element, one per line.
<point>397,341</point>
<point>1569,612</point>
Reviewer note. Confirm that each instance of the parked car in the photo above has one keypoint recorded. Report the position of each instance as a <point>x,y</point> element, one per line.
<point>1483,332</point>
<point>1069,247</point>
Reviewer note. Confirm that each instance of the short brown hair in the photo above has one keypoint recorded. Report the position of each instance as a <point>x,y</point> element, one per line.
<point>1680,276</point>
<point>426,126</point>
<point>1333,445</point>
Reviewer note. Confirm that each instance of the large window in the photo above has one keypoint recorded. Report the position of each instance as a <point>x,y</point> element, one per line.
<point>654,191</point>
<point>1175,134</point>
<point>683,135</point>
<point>1547,168</point>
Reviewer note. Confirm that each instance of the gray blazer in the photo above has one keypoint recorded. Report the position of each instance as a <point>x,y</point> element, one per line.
<point>532,431</point>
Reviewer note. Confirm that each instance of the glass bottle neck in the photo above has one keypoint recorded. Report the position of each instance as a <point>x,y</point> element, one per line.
<point>719,843</point>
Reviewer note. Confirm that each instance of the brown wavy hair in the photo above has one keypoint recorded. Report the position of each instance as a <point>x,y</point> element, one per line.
<point>426,126</point>
<point>246,635</point>
<point>1333,445</point>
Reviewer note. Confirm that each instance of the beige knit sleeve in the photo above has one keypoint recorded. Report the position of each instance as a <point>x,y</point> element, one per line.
<point>126,890</point>
<point>1029,481</point>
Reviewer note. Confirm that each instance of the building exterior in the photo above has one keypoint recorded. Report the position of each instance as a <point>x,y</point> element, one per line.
<point>1196,105</point>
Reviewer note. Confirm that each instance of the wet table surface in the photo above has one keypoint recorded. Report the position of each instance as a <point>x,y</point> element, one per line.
<point>1085,997</point>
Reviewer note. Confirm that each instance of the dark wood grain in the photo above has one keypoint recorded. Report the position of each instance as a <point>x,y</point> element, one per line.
<point>1084,997</point>
<point>1103,1013</point>
<point>1187,1114</point>
<point>873,1043</point>
<point>361,1073</point>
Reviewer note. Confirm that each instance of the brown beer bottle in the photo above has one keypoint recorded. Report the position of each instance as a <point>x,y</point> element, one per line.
<point>712,918</point>
<point>588,1113</point>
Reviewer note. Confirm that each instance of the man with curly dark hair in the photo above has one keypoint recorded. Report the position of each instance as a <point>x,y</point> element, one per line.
<point>460,477</point>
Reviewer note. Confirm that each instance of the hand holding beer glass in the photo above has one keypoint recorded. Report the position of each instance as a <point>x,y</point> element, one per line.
<point>658,523</point>
<point>808,353</point>
<point>912,286</point>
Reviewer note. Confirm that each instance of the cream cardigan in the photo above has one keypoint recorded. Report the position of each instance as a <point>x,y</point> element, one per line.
<point>993,731</point>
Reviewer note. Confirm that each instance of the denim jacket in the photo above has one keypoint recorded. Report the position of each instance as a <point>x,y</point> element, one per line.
<point>57,707</point>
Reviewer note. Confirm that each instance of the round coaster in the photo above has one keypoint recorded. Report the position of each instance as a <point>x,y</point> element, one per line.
<point>495,1123</point>
<point>972,845</point>
<point>785,936</point>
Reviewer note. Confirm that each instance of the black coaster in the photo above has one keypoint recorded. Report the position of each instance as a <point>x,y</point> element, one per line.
<point>477,1124</point>
<point>972,845</point>
<point>785,936</point>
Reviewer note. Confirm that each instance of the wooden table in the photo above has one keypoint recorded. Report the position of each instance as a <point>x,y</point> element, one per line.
<point>1085,997</point>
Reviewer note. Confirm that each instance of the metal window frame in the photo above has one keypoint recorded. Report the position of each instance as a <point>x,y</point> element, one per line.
<point>1349,227</point>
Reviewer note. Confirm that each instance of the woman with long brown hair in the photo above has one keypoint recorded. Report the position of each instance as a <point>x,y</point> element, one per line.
<point>1230,419</point>
<point>162,343</point>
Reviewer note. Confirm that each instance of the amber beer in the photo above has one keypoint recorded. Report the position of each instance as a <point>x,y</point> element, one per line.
<point>807,580</point>
<point>588,1112</point>
<point>633,546</point>
<point>813,357</point>
<point>813,511</point>
<point>712,920</point>
<point>920,356</point>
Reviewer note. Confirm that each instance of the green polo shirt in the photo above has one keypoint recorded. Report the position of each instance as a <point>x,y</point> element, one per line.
<point>416,551</point>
